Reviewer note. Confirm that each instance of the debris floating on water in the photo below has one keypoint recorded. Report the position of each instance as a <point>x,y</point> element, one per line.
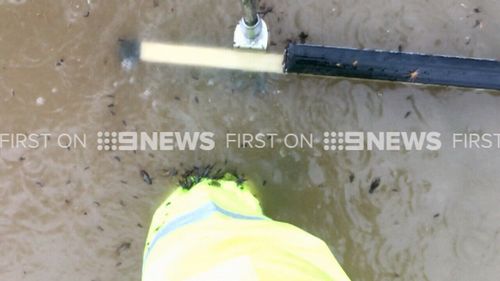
<point>129,53</point>
<point>478,24</point>
<point>145,176</point>
<point>40,101</point>
<point>123,246</point>
<point>302,37</point>
<point>374,185</point>
<point>170,172</point>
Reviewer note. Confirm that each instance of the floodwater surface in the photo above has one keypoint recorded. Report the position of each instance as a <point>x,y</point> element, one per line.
<point>82,214</point>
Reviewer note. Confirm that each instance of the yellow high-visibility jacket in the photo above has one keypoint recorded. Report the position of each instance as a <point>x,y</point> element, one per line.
<point>217,231</point>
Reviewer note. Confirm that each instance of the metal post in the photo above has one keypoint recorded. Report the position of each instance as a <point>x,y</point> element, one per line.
<point>250,12</point>
<point>251,32</point>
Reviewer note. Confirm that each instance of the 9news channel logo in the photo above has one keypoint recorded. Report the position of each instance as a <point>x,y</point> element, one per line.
<point>162,141</point>
<point>382,141</point>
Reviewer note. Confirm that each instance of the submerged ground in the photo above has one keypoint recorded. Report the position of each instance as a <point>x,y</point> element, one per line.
<point>82,214</point>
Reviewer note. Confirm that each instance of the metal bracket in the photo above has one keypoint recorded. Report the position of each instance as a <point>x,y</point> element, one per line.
<point>251,37</point>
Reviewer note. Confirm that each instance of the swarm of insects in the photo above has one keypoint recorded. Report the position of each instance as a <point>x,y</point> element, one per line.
<point>195,175</point>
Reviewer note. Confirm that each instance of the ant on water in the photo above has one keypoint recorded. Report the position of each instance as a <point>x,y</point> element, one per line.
<point>413,75</point>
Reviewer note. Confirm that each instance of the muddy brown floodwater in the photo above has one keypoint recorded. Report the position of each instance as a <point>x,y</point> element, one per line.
<point>82,214</point>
